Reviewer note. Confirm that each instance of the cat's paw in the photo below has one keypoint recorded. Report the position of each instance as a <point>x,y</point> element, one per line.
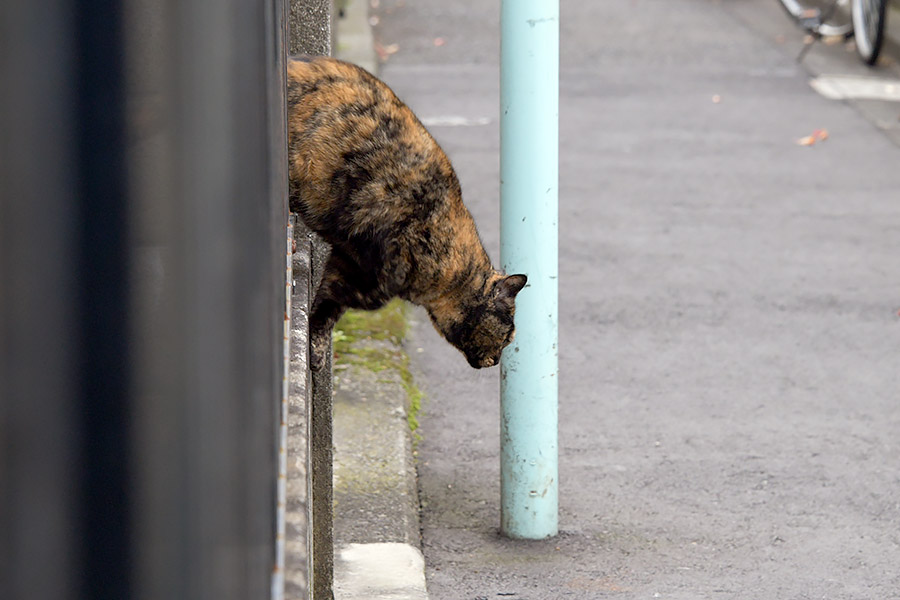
<point>318,351</point>
<point>316,361</point>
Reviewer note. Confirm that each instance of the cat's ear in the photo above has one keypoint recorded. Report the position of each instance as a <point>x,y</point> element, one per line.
<point>508,287</point>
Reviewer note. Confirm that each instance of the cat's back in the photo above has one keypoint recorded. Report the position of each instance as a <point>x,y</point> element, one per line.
<point>306,69</point>
<point>367,176</point>
<point>330,97</point>
<point>326,81</point>
<point>354,143</point>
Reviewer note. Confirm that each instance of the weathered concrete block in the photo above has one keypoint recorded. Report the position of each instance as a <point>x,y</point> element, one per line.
<point>310,27</point>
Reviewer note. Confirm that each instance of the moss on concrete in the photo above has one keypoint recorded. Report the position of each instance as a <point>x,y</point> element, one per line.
<point>355,343</point>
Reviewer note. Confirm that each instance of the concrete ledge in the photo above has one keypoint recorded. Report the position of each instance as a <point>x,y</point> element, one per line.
<point>297,533</point>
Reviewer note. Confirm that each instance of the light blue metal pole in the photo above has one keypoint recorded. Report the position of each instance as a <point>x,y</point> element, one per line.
<point>529,174</point>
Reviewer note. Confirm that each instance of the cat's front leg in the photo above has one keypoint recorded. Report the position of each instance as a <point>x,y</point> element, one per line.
<point>344,285</point>
<point>329,304</point>
<point>326,312</point>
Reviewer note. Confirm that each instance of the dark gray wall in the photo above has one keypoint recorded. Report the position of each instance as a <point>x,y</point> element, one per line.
<point>143,178</point>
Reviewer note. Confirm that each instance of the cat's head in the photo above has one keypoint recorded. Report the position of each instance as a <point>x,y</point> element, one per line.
<point>486,325</point>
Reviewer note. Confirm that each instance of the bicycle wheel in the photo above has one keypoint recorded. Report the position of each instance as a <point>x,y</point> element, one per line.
<point>818,17</point>
<point>868,27</point>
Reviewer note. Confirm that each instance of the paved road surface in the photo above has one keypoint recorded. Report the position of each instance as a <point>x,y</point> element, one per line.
<point>729,366</point>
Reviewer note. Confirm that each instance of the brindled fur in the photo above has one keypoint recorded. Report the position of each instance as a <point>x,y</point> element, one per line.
<point>368,177</point>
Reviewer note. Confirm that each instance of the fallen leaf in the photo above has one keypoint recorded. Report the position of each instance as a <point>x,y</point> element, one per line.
<point>716,99</point>
<point>818,135</point>
<point>439,41</point>
<point>384,52</point>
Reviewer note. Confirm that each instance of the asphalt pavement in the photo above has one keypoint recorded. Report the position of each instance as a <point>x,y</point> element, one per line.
<point>729,330</point>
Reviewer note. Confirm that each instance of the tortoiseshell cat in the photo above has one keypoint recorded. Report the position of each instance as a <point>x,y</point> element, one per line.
<point>368,177</point>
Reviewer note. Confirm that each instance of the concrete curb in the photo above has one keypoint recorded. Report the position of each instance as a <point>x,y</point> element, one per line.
<point>377,545</point>
<point>384,571</point>
<point>376,507</point>
<point>353,40</point>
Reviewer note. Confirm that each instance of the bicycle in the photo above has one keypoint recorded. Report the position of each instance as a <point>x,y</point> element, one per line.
<point>866,23</point>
